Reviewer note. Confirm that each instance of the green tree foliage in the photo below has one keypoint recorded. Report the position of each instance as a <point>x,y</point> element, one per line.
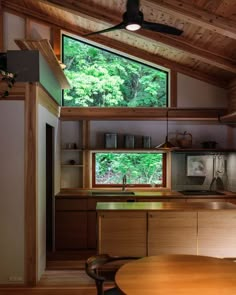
<point>102,79</point>
<point>140,168</point>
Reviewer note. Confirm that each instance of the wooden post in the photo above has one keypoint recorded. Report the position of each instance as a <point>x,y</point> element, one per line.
<point>173,89</point>
<point>1,27</point>
<point>232,96</point>
<point>31,185</point>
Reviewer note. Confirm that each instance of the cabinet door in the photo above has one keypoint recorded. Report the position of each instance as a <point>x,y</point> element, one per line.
<point>172,233</point>
<point>122,233</point>
<point>71,230</point>
<point>217,233</point>
<point>92,219</point>
<point>71,224</point>
<point>92,229</point>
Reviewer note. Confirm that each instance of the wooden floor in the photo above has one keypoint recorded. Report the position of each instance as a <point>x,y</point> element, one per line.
<point>62,277</point>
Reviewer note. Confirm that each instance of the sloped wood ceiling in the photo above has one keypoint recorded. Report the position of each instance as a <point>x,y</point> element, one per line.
<point>206,50</point>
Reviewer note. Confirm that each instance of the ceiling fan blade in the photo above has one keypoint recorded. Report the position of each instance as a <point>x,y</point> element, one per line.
<point>132,7</point>
<point>161,28</point>
<point>117,27</point>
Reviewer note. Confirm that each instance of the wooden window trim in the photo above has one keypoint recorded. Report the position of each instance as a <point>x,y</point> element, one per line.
<point>164,175</point>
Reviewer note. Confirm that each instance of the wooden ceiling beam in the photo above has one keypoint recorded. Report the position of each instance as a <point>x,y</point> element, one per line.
<point>87,11</point>
<point>195,15</point>
<point>153,58</point>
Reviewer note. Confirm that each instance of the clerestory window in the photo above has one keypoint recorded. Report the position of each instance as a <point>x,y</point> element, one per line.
<point>102,78</point>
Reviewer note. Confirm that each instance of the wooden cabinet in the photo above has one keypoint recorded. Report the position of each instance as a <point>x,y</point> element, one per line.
<point>172,233</point>
<point>76,222</point>
<point>71,224</point>
<point>122,233</point>
<point>217,233</point>
<point>205,199</point>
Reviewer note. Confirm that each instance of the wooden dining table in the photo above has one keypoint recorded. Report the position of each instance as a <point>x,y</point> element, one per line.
<point>177,275</point>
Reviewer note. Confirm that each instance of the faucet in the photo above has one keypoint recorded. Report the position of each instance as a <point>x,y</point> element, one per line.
<point>124,181</point>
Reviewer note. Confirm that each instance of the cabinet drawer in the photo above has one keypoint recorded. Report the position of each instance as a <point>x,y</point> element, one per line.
<point>71,205</point>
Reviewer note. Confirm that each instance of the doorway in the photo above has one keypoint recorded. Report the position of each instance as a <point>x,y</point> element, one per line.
<point>49,188</point>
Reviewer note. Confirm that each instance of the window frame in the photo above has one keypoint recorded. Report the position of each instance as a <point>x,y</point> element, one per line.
<point>164,171</point>
<point>127,56</point>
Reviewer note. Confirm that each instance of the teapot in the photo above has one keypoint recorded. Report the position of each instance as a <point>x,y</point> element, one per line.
<point>184,140</point>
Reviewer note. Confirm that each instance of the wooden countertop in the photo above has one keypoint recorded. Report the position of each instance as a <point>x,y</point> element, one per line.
<point>163,206</point>
<point>138,194</point>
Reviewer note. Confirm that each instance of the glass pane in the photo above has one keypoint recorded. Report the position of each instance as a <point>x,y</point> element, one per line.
<point>104,79</point>
<point>139,168</point>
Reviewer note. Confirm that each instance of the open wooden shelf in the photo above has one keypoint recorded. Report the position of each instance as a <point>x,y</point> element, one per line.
<point>72,165</point>
<point>94,113</point>
<point>201,150</point>
<point>228,118</point>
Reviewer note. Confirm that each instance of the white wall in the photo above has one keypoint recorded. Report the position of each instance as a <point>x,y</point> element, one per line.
<point>11,190</point>
<point>201,131</point>
<point>39,31</point>
<point>195,93</point>
<point>45,117</point>
<point>14,28</point>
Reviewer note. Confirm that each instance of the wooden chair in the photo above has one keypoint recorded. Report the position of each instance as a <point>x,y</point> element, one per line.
<point>103,268</point>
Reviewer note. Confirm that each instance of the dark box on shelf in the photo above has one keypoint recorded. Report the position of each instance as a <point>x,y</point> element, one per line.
<point>129,141</point>
<point>110,140</point>
<point>146,140</point>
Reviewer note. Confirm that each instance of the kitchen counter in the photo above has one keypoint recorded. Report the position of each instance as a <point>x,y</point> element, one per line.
<point>163,206</point>
<point>133,194</point>
<point>153,228</point>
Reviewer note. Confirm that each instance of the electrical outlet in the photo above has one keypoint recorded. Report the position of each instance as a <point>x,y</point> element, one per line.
<point>15,279</point>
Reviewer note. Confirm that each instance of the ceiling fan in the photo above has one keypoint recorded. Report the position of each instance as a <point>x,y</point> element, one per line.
<point>133,20</point>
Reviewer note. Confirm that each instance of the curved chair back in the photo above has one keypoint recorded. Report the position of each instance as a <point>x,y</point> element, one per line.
<point>93,268</point>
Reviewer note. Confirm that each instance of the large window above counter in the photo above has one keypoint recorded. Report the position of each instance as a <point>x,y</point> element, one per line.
<point>128,169</point>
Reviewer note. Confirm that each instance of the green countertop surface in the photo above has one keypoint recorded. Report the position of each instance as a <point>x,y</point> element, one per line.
<point>163,206</point>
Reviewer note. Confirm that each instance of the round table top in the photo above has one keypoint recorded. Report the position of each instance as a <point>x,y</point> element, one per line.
<point>178,275</point>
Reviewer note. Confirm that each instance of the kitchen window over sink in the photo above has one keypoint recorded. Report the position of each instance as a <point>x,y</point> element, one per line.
<point>141,169</point>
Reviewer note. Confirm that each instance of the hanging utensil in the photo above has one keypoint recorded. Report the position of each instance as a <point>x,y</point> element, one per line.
<point>213,172</point>
<point>220,170</point>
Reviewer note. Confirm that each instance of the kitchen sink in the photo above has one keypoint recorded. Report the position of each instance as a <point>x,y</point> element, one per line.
<point>200,192</point>
<point>113,193</point>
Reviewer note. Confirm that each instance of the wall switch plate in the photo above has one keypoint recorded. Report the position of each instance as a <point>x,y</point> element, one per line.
<point>15,279</point>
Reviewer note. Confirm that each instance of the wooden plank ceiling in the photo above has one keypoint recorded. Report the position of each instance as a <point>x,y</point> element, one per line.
<point>206,50</point>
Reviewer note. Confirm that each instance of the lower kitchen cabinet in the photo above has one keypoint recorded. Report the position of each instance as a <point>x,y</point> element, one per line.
<point>71,230</point>
<point>92,230</point>
<point>122,234</point>
<point>172,232</point>
<point>71,224</point>
<point>217,234</point>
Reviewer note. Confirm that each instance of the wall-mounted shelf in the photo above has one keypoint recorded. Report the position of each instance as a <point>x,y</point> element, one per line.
<point>200,150</point>
<point>196,114</point>
<point>72,150</point>
<point>131,150</point>
<point>72,166</point>
<point>228,118</point>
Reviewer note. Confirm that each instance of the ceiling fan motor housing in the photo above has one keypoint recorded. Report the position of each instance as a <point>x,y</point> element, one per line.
<point>130,19</point>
